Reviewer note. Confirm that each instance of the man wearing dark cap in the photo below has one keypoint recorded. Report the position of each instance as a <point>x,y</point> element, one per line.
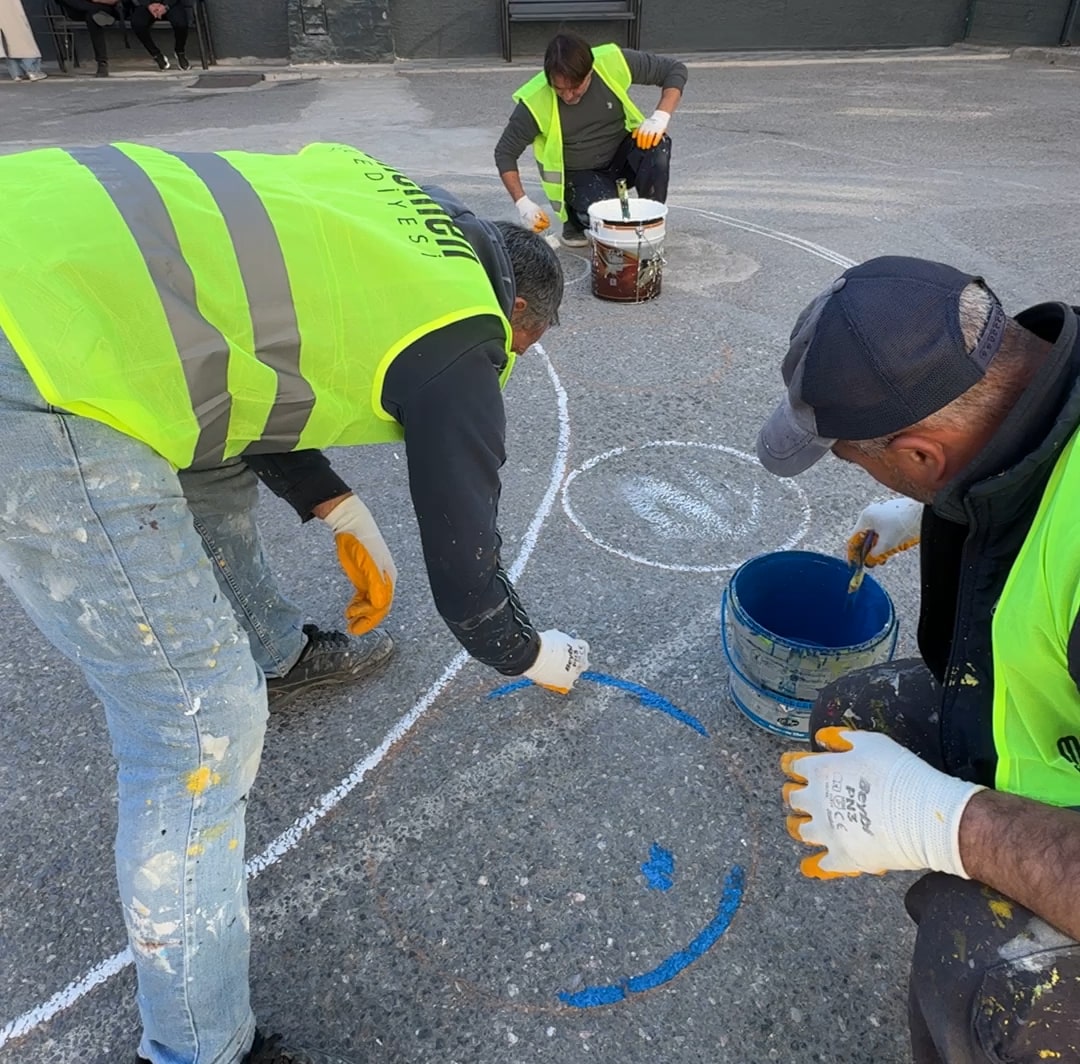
<point>965,762</point>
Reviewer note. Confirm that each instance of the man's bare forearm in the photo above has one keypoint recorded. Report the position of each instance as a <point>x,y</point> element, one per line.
<point>1028,851</point>
<point>669,100</point>
<point>511,180</point>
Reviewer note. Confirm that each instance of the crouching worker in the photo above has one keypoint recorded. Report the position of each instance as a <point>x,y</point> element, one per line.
<point>965,762</point>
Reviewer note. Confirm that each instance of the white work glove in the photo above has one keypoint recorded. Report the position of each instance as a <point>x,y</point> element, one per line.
<point>533,217</point>
<point>562,659</point>
<point>874,806</point>
<point>651,131</point>
<point>895,524</point>
<point>366,561</point>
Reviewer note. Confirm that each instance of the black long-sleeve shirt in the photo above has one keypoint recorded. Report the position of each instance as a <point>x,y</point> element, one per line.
<point>444,391</point>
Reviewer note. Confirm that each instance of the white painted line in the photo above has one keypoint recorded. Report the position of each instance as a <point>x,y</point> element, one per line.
<point>784,484</point>
<point>773,234</point>
<point>290,838</point>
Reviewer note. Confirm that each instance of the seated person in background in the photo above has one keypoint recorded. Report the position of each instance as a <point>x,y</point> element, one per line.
<point>97,14</point>
<point>587,133</point>
<point>144,13</point>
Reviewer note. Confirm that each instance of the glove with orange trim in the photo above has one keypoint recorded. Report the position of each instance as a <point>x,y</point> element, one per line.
<point>874,806</point>
<point>366,561</point>
<point>532,216</point>
<point>562,659</point>
<point>651,131</point>
<point>895,525</point>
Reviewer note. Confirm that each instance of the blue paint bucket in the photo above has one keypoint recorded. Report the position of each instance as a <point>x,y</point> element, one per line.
<point>789,627</point>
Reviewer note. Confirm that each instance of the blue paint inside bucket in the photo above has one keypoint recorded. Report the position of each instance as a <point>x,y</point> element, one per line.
<point>802,597</point>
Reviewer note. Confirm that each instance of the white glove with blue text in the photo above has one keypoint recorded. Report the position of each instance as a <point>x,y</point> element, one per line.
<point>874,806</point>
<point>562,659</point>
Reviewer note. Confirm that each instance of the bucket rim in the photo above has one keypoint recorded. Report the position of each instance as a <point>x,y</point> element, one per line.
<point>736,607</point>
<point>598,208</point>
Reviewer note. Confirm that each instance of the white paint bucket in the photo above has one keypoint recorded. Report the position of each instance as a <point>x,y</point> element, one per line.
<point>794,629</point>
<point>627,253</point>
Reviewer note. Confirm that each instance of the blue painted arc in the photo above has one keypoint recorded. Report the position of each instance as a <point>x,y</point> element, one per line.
<point>593,996</point>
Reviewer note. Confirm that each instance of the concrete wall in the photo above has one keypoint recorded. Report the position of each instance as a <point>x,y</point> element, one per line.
<point>452,28</point>
<point>376,30</point>
<point>1018,22</point>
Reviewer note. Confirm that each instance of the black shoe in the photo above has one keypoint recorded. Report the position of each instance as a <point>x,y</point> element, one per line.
<point>269,1050</point>
<point>573,236</point>
<point>102,70</point>
<point>103,18</point>
<point>330,659</point>
<point>162,61</point>
<point>182,61</point>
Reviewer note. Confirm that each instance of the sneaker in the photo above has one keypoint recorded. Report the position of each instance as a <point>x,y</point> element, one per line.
<point>182,61</point>
<point>102,70</point>
<point>103,18</point>
<point>162,61</point>
<point>330,659</point>
<point>573,236</point>
<point>37,75</point>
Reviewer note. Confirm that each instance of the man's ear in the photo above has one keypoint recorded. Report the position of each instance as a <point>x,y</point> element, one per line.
<point>519,305</point>
<point>921,458</point>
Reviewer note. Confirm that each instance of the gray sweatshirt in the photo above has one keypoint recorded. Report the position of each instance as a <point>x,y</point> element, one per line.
<point>594,127</point>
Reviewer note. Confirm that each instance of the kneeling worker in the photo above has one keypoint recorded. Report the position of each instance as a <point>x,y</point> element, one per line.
<point>587,133</point>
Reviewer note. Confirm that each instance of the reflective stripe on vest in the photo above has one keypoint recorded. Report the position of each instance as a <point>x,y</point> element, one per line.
<point>1036,701</point>
<point>209,304</point>
<point>543,104</point>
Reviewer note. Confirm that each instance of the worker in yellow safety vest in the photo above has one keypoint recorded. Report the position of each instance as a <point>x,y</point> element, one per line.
<point>966,760</point>
<point>587,133</point>
<point>171,325</point>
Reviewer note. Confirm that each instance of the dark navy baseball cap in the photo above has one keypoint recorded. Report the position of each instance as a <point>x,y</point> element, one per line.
<point>879,350</point>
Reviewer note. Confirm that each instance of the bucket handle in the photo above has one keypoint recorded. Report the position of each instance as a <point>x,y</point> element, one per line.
<point>798,702</point>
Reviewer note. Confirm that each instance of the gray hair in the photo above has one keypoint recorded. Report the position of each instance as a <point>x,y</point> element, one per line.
<point>988,401</point>
<point>538,276</point>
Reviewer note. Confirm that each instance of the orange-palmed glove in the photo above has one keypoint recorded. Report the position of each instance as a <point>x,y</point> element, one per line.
<point>562,659</point>
<point>873,806</point>
<point>366,561</point>
<point>895,525</point>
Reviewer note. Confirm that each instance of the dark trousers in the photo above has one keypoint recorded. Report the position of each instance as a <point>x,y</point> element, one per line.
<point>990,981</point>
<point>82,10</point>
<point>644,170</point>
<point>176,16</point>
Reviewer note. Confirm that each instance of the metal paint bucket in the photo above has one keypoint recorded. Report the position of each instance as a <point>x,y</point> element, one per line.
<point>627,254</point>
<point>793,629</point>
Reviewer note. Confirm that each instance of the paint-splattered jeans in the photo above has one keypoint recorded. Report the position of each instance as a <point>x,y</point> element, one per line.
<point>990,981</point>
<point>97,540</point>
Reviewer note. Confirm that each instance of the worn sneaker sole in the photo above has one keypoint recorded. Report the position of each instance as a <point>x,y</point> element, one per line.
<point>575,241</point>
<point>279,692</point>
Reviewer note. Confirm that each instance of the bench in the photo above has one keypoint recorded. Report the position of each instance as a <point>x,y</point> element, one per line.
<point>628,11</point>
<point>62,30</point>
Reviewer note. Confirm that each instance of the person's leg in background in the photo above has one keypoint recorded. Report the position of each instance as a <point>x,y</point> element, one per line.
<point>177,17</point>
<point>98,544</point>
<point>96,15</point>
<point>142,19</point>
<point>294,656</point>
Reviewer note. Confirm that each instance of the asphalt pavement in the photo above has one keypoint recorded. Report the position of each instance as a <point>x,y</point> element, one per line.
<point>450,871</point>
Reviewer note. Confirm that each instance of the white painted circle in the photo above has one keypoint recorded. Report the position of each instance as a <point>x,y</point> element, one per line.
<point>709,515</point>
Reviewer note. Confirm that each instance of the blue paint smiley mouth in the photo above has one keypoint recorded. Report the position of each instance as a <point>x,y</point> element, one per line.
<point>658,871</point>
